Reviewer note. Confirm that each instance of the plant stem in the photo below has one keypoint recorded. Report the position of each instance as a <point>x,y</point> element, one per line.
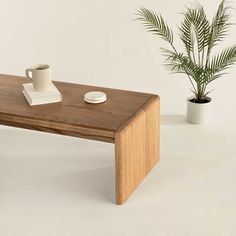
<point>203,54</point>
<point>194,58</point>
<point>172,45</point>
<point>199,61</point>
<point>192,83</point>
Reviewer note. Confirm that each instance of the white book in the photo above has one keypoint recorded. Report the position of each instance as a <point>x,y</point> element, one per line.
<point>38,98</point>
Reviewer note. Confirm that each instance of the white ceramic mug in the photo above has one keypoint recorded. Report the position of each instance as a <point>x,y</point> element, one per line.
<point>40,77</point>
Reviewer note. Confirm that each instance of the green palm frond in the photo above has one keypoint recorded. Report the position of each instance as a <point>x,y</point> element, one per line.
<point>170,55</point>
<point>155,23</point>
<point>179,63</point>
<point>186,34</point>
<point>174,61</point>
<point>202,26</point>
<point>220,25</point>
<point>221,62</point>
<point>195,27</point>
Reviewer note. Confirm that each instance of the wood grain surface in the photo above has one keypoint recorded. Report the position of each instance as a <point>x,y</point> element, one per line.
<point>137,149</point>
<point>72,116</point>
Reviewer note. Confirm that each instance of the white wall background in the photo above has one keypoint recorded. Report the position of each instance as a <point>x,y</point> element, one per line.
<point>65,186</point>
<point>98,42</point>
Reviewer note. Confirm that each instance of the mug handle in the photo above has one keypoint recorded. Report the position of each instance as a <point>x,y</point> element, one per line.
<point>27,74</point>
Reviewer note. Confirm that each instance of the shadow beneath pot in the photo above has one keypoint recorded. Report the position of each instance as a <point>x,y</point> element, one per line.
<point>173,120</point>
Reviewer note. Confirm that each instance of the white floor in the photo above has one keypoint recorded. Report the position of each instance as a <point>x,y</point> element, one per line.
<point>52,185</point>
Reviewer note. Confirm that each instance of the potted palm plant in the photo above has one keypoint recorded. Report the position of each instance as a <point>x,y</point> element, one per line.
<point>197,61</point>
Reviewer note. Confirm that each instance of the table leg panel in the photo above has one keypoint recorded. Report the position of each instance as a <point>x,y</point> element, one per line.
<point>137,150</point>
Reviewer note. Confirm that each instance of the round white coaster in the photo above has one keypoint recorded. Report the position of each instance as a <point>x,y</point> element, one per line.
<point>95,97</point>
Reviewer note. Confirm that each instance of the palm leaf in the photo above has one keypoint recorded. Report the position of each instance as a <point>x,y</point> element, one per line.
<point>195,25</point>
<point>186,34</point>
<point>155,23</point>
<point>220,25</point>
<point>221,61</point>
<point>179,63</point>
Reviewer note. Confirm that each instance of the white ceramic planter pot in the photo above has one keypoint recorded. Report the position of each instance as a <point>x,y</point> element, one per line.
<point>198,113</point>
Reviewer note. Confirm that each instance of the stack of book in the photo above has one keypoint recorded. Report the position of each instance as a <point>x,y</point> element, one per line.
<point>38,98</point>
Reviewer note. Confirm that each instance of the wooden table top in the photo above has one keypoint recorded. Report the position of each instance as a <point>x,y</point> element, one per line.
<point>72,116</point>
